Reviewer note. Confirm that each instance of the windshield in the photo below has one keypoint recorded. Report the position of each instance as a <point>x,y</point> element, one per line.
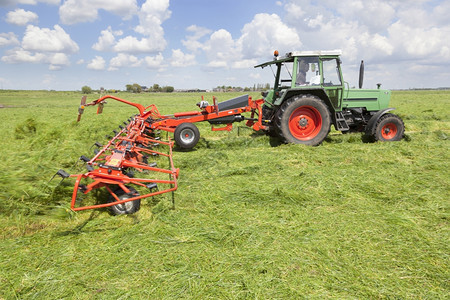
<point>308,72</point>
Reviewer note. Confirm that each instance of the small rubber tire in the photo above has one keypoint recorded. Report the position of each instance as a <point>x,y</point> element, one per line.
<point>186,135</point>
<point>125,208</point>
<point>389,128</point>
<point>303,119</point>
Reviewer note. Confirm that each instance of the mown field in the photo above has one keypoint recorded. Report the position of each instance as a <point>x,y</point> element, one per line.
<point>253,219</point>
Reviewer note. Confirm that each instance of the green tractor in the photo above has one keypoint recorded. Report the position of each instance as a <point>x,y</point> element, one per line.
<point>310,94</point>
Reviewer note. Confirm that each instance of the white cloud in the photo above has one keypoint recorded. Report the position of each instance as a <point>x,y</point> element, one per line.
<point>47,40</point>
<point>180,59</point>
<point>154,62</point>
<point>265,34</point>
<point>151,16</point>
<point>131,44</point>
<point>20,55</point>
<point>40,45</point>
<point>217,64</point>
<point>106,40</point>
<point>79,11</point>
<point>259,38</point>
<point>376,29</point>
<point>244,64</point>
<point>21,17</point>
<point>124,60</point>
<point>97,64</point>
<point>192,41</point>
<point>220,49</point>
<point>8,39</point>
<point>419,42</point>
<point>56,61</point>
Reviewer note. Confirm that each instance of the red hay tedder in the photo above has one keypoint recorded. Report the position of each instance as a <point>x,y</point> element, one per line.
<point>116,164</point>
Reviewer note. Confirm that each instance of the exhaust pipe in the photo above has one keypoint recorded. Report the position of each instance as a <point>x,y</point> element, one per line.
<point>361,74</point>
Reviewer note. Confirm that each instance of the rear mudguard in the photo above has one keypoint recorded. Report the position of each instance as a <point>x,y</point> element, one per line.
<point>370,128</point>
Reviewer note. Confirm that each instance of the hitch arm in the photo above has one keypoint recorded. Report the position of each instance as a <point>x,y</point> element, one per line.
<point>101,101</point>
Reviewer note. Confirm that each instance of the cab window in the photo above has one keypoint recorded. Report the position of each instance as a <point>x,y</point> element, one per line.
<point>286,75</point>
<point>308,72</point>
<point>331,74</point>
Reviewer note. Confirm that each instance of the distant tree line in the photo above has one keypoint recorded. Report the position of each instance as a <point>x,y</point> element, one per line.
<point>136,88</point>
<point>88,90</point>
<point>256,88</point>
<point>132,88</point>
<point>156,88</point>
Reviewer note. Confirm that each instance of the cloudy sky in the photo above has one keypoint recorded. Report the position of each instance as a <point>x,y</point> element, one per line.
<point>65,44</point>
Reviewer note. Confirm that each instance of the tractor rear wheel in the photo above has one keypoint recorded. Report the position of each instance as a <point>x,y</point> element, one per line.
<point>125,208</point>
<point>389,128</point>
<point>303,119</point>
<point>186,135</point>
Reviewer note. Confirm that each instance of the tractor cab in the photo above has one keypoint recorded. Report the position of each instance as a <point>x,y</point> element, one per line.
<point>319,71</point>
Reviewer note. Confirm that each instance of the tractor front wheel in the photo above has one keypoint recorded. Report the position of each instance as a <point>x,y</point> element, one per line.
<point>389,128</point>
<point>125,208</point>
<point>186,135</point>
<point>303,119</point>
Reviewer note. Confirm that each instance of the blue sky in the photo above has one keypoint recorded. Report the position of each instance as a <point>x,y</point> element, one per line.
<point>65,44</point>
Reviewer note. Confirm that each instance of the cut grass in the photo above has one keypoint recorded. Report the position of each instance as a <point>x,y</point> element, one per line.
<point>346,219</point>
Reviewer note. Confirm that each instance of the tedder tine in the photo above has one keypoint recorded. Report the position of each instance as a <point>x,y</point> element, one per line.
<point>100,108</point>
<point>81,108</point>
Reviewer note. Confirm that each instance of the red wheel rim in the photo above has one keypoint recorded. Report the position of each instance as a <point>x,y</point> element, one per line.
<point>305,123</point>
<point>389,131</point>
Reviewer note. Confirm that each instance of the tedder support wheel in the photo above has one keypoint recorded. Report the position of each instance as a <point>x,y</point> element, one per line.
<point>303,119</point>
<point>389,128</point>
<point>125,208</point>
<point>186,135</point>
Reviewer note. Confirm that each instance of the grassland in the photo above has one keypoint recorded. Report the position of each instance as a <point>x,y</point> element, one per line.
<point>253,220</point>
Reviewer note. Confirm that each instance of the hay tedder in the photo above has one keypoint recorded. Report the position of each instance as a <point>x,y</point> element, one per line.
<point>308,96</point>
<point>136,146</point>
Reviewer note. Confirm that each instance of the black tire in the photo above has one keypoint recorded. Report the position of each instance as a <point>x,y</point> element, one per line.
<point>389,128</point>
<point>186,135</point>
<point>125,208</point>
<point>303,119</point>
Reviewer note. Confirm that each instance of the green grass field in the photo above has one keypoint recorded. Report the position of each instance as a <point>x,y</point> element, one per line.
<point>252,220</point>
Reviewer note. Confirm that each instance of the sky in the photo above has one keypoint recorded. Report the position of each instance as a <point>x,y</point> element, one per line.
<point>66,44</point>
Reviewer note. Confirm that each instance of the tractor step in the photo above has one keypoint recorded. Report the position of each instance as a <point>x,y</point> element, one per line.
<point>341,124</point>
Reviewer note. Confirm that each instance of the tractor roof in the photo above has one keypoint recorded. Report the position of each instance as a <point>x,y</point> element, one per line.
<point>314,53</point>
<point>290,56</point>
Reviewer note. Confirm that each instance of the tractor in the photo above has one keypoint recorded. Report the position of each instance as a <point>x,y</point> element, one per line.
<point>310,94</point>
